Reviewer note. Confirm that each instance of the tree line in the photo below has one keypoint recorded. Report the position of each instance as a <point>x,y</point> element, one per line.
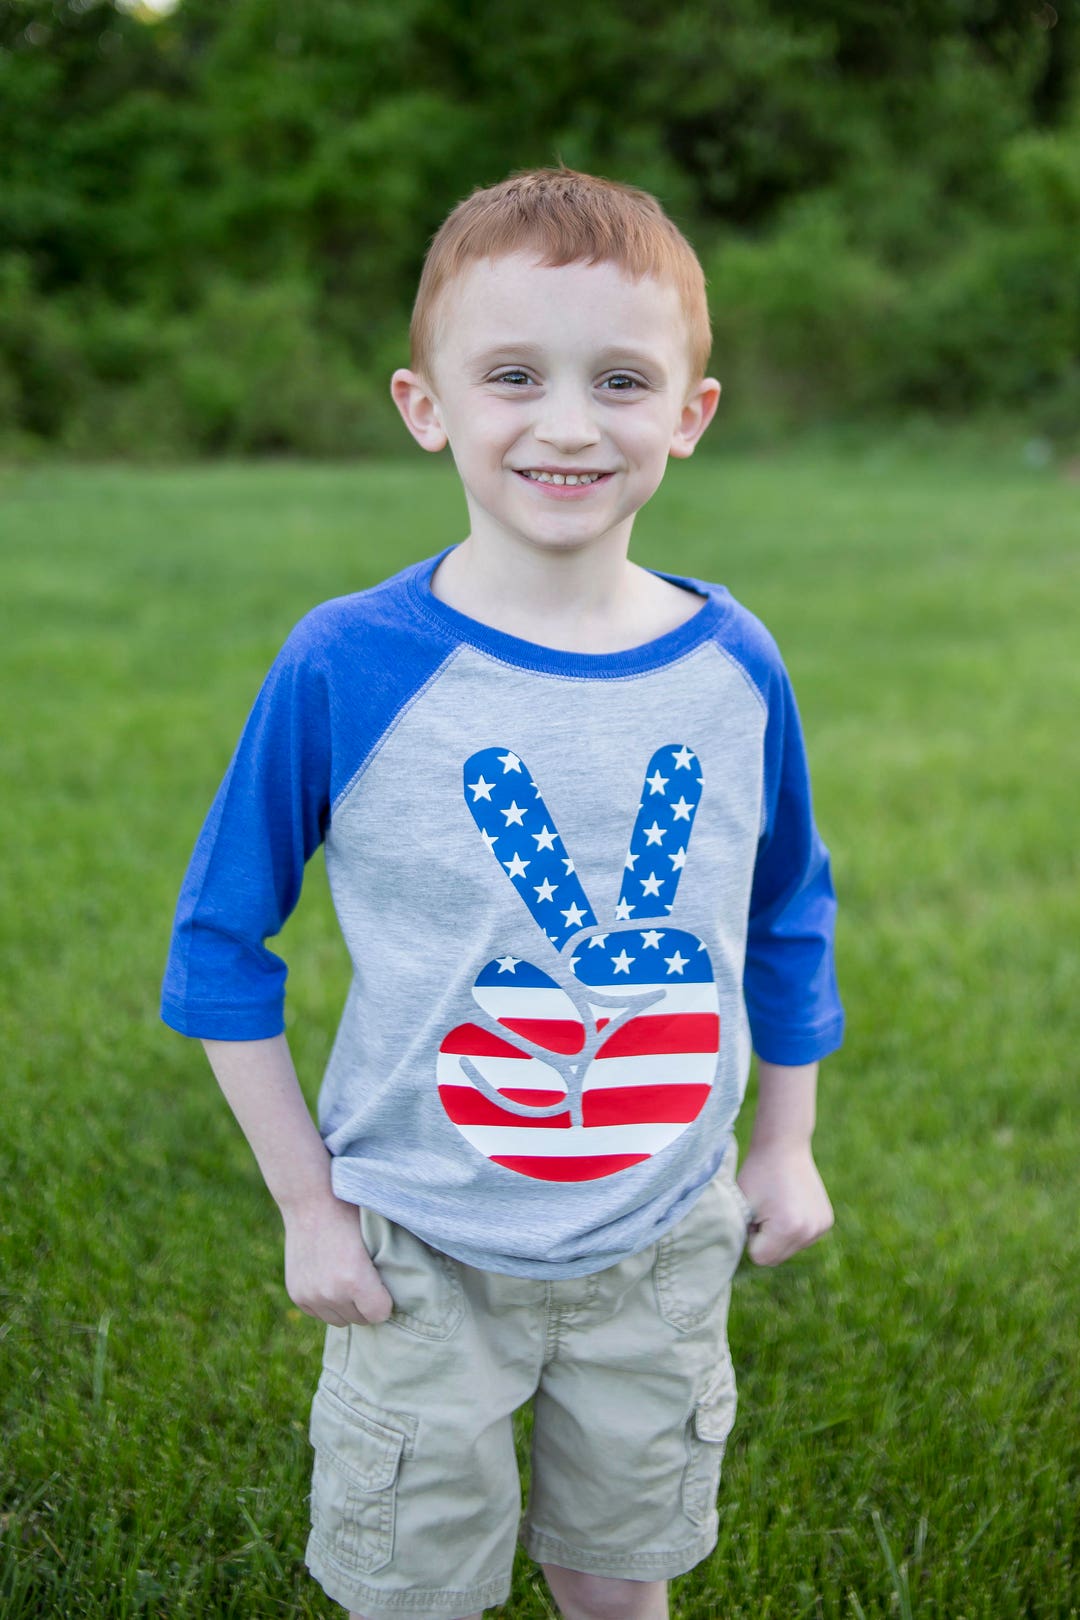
<point>211,223</point>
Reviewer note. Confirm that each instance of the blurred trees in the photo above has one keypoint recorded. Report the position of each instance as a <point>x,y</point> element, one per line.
<point>211,224</point>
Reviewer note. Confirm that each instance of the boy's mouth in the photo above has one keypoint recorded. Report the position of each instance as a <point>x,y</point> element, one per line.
<point>543,475</point>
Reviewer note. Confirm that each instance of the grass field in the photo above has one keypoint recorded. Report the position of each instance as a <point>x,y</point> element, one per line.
<point>909,1429</point>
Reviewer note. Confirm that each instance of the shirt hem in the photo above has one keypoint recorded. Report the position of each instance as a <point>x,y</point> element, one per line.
<point>222,1023</point>
<point>347,1187</point>
<point>793,1050</point>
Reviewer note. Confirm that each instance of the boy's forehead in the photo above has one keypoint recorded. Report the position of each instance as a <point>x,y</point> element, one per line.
<point>506,299</point>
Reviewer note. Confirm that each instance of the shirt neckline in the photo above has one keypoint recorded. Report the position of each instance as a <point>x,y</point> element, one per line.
<point>665,649</point>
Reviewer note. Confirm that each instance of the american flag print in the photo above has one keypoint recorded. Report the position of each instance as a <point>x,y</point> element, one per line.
<point>577,1080</point>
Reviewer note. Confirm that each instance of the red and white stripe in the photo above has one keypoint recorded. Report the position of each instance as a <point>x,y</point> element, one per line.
<point>646,1084</point>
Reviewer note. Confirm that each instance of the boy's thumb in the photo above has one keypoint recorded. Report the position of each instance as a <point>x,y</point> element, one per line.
<point>759,1246</point>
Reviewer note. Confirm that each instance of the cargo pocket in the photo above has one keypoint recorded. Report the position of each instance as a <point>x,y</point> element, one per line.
<point>354,1484</point>
<point>706,1437</point>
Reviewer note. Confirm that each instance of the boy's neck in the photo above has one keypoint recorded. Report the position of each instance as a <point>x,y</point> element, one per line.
<point>586,601</point>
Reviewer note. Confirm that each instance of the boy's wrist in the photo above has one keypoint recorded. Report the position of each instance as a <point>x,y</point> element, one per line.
<point>308,1204</point>
<point>786,1110</point>
<point>781,1139</point>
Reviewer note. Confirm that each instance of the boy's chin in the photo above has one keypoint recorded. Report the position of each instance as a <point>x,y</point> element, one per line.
<point>574,534</point>
<point>551,527</point>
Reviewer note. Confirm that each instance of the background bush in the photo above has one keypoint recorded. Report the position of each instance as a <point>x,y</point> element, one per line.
<point>212,223</point>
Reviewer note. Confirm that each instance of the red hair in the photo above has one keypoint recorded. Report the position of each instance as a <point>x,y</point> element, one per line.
<point>562,217</point>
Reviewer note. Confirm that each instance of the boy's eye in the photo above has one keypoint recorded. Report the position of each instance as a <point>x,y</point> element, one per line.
<point>620,382</point>
<point>516,377</point>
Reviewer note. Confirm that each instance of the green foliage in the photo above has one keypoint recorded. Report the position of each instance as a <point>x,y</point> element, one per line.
<point>254,373</point>
<point>248,371</point>
<point>42,366</point>
<point>884,195</point>
<point>801,321</point>
<point>811,322</point>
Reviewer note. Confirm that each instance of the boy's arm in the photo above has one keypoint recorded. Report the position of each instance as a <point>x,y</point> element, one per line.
<point>328,1272</point>
<point>778,1175</point>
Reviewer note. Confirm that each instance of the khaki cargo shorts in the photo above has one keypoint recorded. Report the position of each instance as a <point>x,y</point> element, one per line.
<point>416,1500</point>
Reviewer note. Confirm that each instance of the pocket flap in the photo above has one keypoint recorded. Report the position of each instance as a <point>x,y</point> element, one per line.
<point>713,1423</point>
<point>365,1452</point>
<point>715,1415</point>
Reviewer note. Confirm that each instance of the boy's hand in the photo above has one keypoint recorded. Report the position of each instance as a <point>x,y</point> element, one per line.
<point>328,1271</point>
<point>787,1195</point>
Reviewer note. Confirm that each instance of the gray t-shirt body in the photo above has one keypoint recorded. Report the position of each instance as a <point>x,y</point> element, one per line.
<point>562,880</point>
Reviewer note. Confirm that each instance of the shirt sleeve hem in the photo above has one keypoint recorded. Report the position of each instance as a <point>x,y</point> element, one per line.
<point>792,1048</point>
<point>223,1023</point>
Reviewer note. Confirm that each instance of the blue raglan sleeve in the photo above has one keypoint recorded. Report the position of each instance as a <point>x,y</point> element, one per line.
<point>269,815</point>
<point>789,982</point>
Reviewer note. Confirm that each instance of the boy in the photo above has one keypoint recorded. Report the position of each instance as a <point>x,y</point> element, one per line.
<point>545,1043</point>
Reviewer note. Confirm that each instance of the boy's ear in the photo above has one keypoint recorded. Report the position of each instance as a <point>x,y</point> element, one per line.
<point>697,412</point>
<point>419,409</point>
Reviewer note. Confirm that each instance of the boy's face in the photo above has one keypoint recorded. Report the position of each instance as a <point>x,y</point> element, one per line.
<point>570,372</point>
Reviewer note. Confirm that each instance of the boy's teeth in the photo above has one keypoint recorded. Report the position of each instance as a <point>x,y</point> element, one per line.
<point>563,478</point>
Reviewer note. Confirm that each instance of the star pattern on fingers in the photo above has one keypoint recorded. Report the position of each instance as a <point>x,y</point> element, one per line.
<point>534,858</point>
<point>634,957</point>
<point>518,828</point>
<point>674,787</point>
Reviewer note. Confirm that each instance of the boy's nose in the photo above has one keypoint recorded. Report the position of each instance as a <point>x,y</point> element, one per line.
<point>566,422</point>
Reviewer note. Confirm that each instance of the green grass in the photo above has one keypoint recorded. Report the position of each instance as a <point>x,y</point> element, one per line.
<point>909,1425</point>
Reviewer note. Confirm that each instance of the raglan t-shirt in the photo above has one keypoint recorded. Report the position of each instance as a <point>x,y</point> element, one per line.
<point>574,889</point>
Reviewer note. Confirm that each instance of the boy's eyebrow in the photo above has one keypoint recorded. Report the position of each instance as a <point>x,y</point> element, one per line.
<point>631,354</point>
<point>646,358</point>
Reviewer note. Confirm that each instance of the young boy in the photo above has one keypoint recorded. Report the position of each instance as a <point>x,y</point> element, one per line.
<point>568,831</point>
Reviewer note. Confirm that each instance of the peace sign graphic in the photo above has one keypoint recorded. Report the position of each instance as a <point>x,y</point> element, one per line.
<point>577,1080</point>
